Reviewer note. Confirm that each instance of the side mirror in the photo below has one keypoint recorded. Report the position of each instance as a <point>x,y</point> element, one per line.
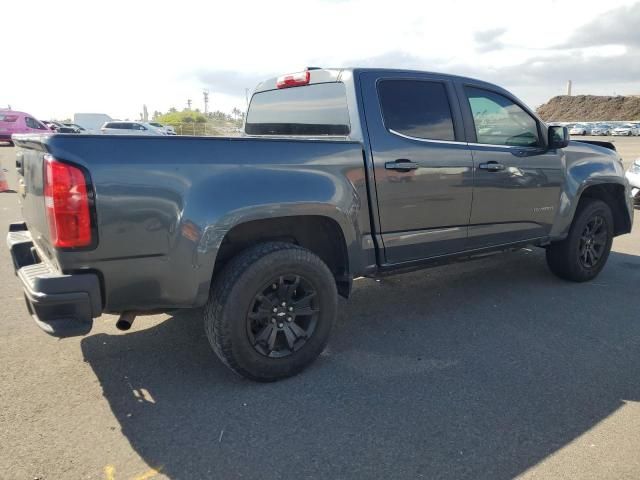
<point>558,136</point>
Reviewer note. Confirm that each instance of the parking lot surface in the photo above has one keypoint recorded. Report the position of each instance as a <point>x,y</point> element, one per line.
<point>492,369</point>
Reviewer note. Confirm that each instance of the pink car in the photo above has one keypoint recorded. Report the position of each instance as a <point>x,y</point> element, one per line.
<point>18,122</point>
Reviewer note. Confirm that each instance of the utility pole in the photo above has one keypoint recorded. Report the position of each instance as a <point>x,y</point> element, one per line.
<point>246,96</point>
<point>569,88</point>
<point>189,104</point>
<point>205,93</point>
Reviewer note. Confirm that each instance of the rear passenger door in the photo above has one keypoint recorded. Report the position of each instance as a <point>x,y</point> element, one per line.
<point>423,168</point>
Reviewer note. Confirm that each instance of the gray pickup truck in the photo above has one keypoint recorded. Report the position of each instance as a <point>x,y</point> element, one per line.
<point>340,174</point>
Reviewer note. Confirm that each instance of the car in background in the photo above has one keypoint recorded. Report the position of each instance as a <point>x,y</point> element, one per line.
<point>626,130</point>
<point>53,125</point>
<point>601,129</point>
<point>78,128</point>
<point>167,128</point>
<point>131,128</point>
<point>633,176</point>
<point>580,129</point>
<point>60,127</point>
<point>12,122</point>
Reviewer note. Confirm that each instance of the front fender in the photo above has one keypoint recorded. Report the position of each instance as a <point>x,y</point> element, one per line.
<point>586,166</point>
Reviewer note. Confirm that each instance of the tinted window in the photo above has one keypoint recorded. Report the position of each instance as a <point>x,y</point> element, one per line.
<point>416,108</point>
<point>8,118</point>
<point>499,121</point>
<point>319,109</point>
<point>33,123</point>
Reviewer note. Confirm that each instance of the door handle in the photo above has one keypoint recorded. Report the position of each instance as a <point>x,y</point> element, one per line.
<point>491,166</point>
<point>402,165</point>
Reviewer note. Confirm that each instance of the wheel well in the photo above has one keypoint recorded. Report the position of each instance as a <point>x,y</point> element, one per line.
<point>613,195</point>
<point>321,235</point>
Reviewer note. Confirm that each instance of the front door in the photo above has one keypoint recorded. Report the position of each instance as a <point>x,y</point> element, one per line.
<point>422,165</point>
<point>517,179</point>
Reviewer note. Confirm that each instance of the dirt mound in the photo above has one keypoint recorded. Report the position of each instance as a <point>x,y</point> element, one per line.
<point>590,108</point>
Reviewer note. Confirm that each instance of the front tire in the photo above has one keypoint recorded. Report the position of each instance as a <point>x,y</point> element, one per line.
<point>582,255</point>
<point>270,311</point>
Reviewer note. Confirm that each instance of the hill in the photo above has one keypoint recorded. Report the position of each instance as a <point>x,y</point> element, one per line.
<point>588,108</point>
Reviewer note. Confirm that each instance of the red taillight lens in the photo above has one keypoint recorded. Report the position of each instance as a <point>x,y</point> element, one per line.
<point>67,203</point>
<point>294,79</point>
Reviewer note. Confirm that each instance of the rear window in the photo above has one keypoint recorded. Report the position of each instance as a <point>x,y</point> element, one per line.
<point>315,110</point>
<point>8,118</point>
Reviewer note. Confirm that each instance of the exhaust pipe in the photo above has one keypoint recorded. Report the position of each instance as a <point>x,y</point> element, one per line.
<point>125,320</point>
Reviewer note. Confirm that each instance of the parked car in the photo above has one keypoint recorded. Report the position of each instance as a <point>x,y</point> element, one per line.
<point>601,129</point>
<point>580,129</point>
<point>169,130</point>
<point>633,176</point>
<point>53,125</point>
<point>131,128</point>
<point>341,174</point>
<point>77,128</point>
<point>626,130</point>
<point>12,122</point>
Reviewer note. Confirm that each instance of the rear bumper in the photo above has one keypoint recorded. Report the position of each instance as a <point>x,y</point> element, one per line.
<point>61,305</point>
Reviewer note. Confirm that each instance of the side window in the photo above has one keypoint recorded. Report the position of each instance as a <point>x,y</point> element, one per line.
<point>416,108</point>
<point>31,123</point>
<point>499,121</point>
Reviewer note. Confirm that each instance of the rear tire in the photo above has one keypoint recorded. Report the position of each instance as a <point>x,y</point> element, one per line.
<point>247,318</point>
<point>583,254</point>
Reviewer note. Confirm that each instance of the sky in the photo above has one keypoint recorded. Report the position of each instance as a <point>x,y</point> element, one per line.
<point>62,57</point>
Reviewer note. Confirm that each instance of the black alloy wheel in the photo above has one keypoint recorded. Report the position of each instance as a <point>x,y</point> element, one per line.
<point>593,242</point>
<point>283,316</point>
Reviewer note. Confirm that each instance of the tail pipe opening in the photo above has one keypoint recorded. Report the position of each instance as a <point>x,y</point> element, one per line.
<point>125,320</point>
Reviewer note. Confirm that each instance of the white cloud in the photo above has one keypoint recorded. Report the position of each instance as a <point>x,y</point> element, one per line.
<point>112,57</point>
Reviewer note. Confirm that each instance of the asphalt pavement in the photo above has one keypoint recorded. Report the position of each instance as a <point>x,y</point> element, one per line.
<point>492,369</point>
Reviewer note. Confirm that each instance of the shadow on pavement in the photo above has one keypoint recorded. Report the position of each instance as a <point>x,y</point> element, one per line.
<point>476,370</point>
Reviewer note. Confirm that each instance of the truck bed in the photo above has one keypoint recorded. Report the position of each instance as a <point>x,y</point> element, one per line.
<point>164,204</point>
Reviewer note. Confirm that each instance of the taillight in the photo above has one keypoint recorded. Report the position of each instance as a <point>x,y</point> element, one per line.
<point>66,197</point>
<point>294,79</point>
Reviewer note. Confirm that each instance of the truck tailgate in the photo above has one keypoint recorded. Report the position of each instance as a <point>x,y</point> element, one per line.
<point>30,170</point>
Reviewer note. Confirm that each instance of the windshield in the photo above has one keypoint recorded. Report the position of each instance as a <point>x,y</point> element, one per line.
<point>315,110</point>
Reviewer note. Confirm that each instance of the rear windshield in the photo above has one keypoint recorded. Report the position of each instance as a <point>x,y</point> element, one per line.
<point>315,110</point>
<point>5,117</point>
